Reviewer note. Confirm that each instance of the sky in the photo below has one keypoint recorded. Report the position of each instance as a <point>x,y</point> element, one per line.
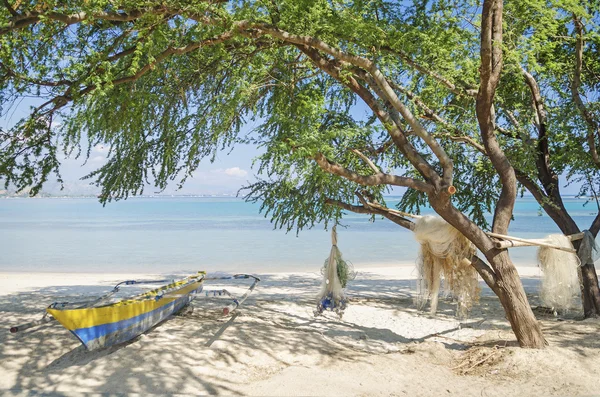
<point>225,176</point>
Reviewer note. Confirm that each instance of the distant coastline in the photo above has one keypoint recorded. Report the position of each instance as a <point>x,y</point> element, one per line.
<point>25,195</point>
<point>6,194</point>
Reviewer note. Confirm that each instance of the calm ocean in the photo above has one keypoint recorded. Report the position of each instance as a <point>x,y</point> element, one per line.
<point>158,235</point>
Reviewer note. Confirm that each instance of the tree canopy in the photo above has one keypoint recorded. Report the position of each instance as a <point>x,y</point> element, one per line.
<point>167,85</point>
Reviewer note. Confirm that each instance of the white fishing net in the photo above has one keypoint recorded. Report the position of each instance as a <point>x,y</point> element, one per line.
<point>444,253</point>
<point>336,273</point>
<point>560,288</point>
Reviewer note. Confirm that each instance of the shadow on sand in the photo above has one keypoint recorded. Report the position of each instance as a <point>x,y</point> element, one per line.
<point>202,352</point>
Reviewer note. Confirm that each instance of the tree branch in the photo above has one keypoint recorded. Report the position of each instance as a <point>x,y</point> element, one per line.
<point>491,66</point>
<point>331,68</point>
<point>9,8</point>
<point>593,124</point>
<point>366,160</point>
<point>436,76</point>
<point>21,21</point>
<point>62,100</point>
<point>513,120</point>
<point>381,149</point>
<point>174,51</point>
<point>359,209</point>
<point>44,83</point>
<point>458,134</point>
<point>520,134</point>
<point>486,273</point>
<point>368,65</point>
<point>370,180</point>
<point>546,175</point>
<point>595,227</point>
<point>530,185</point>
<point>548,178</point>
<point>252,30</point>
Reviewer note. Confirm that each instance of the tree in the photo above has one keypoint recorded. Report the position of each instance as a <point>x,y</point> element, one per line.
<point>547,118</point>
<point>167,85</point>
<point>553,68</point>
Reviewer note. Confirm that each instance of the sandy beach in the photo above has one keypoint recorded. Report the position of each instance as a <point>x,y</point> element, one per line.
<point>274,346</point>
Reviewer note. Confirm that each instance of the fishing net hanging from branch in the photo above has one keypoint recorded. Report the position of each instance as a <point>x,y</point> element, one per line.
<point>444,252</point>
<point>560,286</point>
<point>336,274</point>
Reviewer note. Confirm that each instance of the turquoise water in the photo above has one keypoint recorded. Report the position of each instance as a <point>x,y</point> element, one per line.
<point>213,234</point>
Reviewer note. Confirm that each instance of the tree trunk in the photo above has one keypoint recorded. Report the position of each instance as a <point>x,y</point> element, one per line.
<point>507,283</point>
<point>591,291</point>
<point>552,202</point>
<point>512,296</point>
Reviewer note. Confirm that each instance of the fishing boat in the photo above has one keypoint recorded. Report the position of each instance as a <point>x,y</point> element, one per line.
<point>99,324</point>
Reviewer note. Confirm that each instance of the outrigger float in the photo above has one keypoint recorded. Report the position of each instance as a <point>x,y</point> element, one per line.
<point>99,324</point>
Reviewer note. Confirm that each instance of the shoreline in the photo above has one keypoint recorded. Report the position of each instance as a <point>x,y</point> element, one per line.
<point>298,269</point>
<point>20,281</point>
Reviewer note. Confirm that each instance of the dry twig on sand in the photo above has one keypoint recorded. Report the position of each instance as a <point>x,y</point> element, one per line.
<point>476,357</point>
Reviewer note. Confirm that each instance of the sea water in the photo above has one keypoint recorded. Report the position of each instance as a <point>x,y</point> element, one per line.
<point>157,235</point>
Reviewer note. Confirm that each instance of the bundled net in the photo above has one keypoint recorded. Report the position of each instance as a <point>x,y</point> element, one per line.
<point>345,270</point>
<point>444,253</point>
<point>560,279</point>
<point>336,274</point>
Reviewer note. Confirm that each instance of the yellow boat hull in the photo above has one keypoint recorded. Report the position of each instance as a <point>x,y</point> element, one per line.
<point>104,326</point>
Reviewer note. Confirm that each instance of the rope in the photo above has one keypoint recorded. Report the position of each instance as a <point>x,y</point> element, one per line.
<point>334,236</point>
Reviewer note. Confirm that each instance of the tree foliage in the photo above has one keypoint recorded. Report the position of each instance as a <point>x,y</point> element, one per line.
<point>166,86</point>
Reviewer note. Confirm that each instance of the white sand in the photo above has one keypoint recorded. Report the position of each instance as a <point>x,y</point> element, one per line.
<point>274,345</point>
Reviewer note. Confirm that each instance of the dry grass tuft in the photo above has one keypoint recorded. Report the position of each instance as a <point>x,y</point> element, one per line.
<point>479,360</point>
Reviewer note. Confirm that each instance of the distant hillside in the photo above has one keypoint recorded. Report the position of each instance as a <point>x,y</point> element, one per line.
<point>22,194</point>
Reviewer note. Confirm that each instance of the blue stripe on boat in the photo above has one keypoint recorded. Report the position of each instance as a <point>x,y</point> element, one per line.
<point>86,335</point>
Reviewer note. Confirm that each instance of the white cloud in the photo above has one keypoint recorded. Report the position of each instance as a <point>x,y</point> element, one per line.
<point>98,159</point>
<point>220,174</point>
<point>236,172</point>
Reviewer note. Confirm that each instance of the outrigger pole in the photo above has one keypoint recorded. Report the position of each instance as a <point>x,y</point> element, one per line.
<point>23,327</point>
<point>235,302</point>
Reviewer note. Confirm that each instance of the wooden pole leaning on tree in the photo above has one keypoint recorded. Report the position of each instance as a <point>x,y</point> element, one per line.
<point>392,211</point>
<point>509,242</point>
